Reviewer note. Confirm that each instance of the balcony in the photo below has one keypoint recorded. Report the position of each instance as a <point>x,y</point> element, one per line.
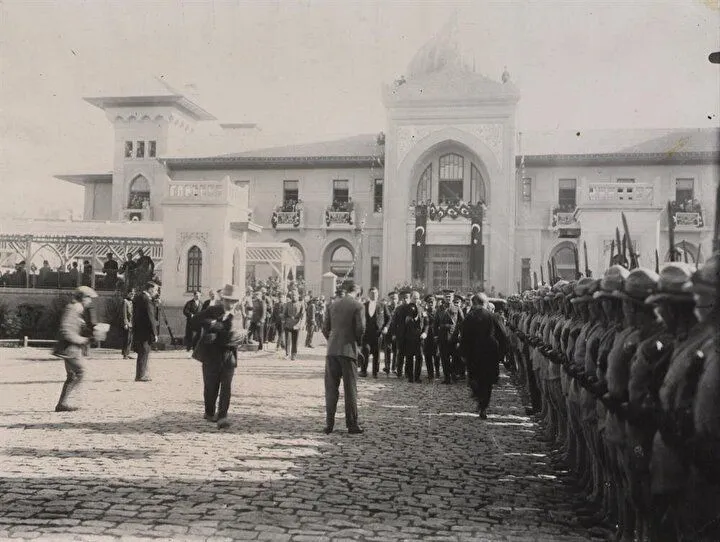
<point>564,221</point>
<point>286,220</point>
<point>687,215</point>
<point>136,215</point>
<point>608,194</point>
<point>340,216</point>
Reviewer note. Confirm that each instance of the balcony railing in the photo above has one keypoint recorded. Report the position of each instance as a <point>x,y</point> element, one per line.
<point>136,215</point>
<point>565,223</point>
<point>688,220</point>
<point>339,219</point>
<point>285,220</point>
<point>619,194</point>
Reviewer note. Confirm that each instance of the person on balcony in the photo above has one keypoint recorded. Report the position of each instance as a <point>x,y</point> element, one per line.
<point>75,277</point>
<point>111,270</point>
<point>127,270</point>
<point>44,275</point>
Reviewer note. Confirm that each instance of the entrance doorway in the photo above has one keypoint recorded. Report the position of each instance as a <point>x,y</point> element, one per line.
<point>448,267</point>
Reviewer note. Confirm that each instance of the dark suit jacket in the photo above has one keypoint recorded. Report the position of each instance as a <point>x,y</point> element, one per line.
<point>344,327</point>
<point>292,314</point>
<point>220,339</point>
<point>259,311</point>
<point>374,324</point>
<point>409,329</point>
<point>189,310</point>
<point>144,321</point>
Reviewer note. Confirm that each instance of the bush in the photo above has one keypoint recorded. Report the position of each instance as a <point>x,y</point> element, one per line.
<point>9,323</point>
<point>29,316</point>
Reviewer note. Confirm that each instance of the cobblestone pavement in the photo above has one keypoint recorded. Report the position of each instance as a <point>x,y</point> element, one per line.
<point>139,461</point>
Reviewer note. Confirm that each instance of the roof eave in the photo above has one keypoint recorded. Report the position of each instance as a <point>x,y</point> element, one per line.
<point>187,106</point>
<point>245,162</point>
<point>84,178</point>
<point>548,160</point>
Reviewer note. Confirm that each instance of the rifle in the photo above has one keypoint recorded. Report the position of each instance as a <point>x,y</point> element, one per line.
<point>535,276</point>
<point>685,258</point>
<point>624,251</point>
<point>657,262</point>
<point>612,251</point>
<point>619,245</point>
<point>576,257</point>
<point>551,277</point>
<point>671,231</point>
<point>554,268</point>
<point>697,256</point>
<point>588,273</point>
<point>633,257</point>
<point>542,276</point>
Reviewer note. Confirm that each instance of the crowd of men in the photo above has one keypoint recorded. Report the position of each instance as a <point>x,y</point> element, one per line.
<point>623,372</point>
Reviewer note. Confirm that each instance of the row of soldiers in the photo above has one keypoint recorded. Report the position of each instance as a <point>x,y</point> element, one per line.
<point>624,373</point>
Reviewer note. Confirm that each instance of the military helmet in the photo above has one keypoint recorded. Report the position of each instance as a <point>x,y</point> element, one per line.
<point>612,281</point>
<point>672,280</point>
<point>583,290</point>
<point>639,284</point>
<point>705,282</point>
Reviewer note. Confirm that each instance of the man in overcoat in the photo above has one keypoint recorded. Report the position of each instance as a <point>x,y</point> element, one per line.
<point>144,329</point>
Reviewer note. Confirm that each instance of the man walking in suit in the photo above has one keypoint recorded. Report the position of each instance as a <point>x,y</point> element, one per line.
<point>257,320</point>
<point>310,323</point>
<point>144,329</point>
<point>377,316</point>
<point>293,314</point>
<point>343,328</point>
<point>217,351</point>
<point>128,322</point>
<point>191,308</point>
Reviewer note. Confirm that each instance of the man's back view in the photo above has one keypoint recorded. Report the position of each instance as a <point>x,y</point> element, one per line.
<point>343,328</point>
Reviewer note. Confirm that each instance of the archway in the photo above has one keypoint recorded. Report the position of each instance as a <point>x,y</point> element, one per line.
<point>564,256</point>
<point>685,252</point>
<point>340,259</point>
<point>300,255</point>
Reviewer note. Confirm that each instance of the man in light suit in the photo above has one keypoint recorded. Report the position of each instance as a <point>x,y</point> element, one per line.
<point>343,328</point>
<point>144,329</point>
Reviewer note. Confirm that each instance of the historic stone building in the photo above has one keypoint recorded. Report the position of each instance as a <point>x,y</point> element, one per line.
<point>450,194</point>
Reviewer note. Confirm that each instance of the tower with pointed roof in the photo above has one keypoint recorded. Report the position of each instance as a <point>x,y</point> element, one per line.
<point>450,140</point>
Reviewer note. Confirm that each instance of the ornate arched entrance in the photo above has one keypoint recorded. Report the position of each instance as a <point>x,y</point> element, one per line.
<point>339,258</point>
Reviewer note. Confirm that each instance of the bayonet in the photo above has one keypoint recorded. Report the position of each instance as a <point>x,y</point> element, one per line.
<point>671,231</point>
<point>542,275</point>
<point>612,251</point>
<point>685,257</point>
<point>618,244</point>
<point>587,267</point>
<point>551,278</point>
<point>657,262</point>
<point>535,276</point>
<point>576,257</point>
<point>633,256</point>
<point>697,256</point>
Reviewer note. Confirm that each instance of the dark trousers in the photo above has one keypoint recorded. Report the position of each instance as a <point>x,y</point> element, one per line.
<point>336,368</point>
<point>432,360</point>
<point>127,341</point>
<point>389,349</point>
<point>371,348</point>
<point>309,337</point>
<point>257,329</point>
<point>482,389</point>
<point>533,388</point>
<point>217,380</point>
<point>447,355</point>
<point>190,337</point>
<point>291,340</point>
<point>143,357</point>
<point>413,364</point>
<point>75,373</point>
<point>280,335</point>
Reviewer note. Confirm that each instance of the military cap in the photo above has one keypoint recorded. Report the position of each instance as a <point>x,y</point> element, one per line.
<point>404,291</point>
<point>584,290</point>
<point>448,292</point>
<point>612,281</point>
<point>706,280</point>
<point>639,284</point>
<point>673,277</point>
<point>429,297</point>
<point>460,298</point>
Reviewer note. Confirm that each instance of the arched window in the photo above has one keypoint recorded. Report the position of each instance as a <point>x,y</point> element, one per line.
<point>424,189</point>
<point>300,255</point>
<point>477,185</point>
<point>451,177</point>
<point>194,269</point>
<point>341,262</point>
<point>564,256</point>
<point>139,197</point>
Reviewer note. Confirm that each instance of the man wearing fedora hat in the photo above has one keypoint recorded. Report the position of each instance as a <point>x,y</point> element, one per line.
<point>217,351</point>
<point>73,336</point>
<point>344,327</point>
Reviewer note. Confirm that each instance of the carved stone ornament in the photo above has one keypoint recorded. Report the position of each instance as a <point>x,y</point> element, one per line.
<point>185,236</point>
<point>490,134</point>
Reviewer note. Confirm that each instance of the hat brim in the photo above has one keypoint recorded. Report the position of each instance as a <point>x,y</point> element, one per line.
<point>230,297</point>
<point>601,293</point>
<point>669,297</point>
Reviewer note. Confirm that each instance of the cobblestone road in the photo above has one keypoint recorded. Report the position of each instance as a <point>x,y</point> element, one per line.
<point>139,461</point>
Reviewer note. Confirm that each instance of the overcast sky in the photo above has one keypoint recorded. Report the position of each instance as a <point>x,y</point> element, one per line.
<point>312,70</point>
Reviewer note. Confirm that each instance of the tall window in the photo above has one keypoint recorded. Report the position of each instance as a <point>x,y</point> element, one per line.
<point>375,271</point>
<point>341,262</point>
<point>567,195</point>
<point>378,196</point>
<point>626,180</point>
<point>450,185</point>
<point>341,191</point>
<point>527,189</point>
<point>424,190</point>
<point>194,269</point>
<point>291,192</point>
<point>684,190</point>
<point>152,149</point>
<point>139,197</point>
<point>477,185</point>
<point>128,149</point>
<point>140,149</point>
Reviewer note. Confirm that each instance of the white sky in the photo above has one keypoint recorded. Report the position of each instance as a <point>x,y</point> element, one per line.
<point>313,70</point>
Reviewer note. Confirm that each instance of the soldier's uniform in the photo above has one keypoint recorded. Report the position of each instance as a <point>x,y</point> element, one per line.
<point>430,347</point>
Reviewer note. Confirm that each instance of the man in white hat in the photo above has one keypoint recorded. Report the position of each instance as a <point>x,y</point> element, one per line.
<point>217,351</point>
<point>73,336</point>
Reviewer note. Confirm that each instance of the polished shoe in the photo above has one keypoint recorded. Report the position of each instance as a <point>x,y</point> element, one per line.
<point>328,429</point>
<point>483,414</point>
<point>386,370</point>
<point>223,423</point>
<point>363,373</point>
<point>144,379</point>
<point>65,408</point>
<point>211,417</point>
<point>292,358</point>
<point>355,430</point>
<point>375,375</point>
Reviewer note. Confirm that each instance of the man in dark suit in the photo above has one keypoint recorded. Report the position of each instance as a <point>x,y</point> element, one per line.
<point>377,316</point>
<point>343,328</point>
<point>292,316</point>
<point>210,301</point>
<point>217,351</point>
<point>191,308</point>
<point>310,323</point>
<point>411,331</point>
<point>257,320</point>
<point>144,329</point>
